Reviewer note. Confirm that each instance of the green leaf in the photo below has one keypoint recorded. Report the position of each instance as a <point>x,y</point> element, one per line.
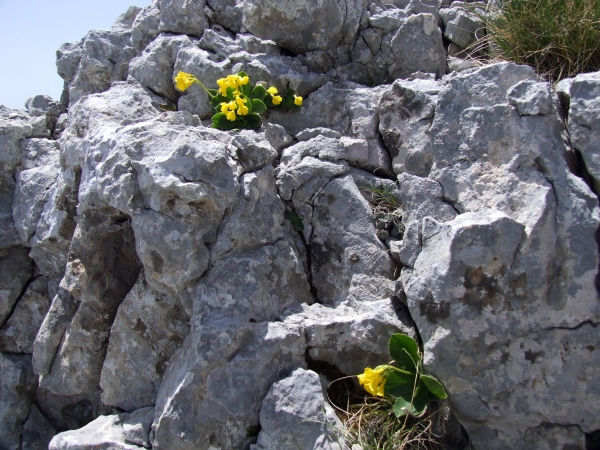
<point>406,361</point>
<point>398,384</point>
<point>258,93</point>
<point>288,101</point>
<point>290,215</point>
<point>399,341</point>
<point>253,120</point>
<point>258,106</point>
<point>403,404</point>
<point>268,101</point>
<point>220,121</point>
<point>434,386</point>
<point>298,225</point>
<point>213,92</point>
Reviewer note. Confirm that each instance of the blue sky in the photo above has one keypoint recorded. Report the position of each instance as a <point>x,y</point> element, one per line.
<point>32,30</point>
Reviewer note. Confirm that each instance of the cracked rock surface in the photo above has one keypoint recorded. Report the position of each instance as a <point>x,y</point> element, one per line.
<point>154,292</point>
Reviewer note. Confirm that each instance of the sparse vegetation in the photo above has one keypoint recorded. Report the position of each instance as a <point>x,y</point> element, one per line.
<point>387,212</point>
<point>558,38</point>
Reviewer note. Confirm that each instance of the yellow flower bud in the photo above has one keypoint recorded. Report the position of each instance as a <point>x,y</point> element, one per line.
<point>272,90</point>
<point>277,99</point>
<point>297,100</point>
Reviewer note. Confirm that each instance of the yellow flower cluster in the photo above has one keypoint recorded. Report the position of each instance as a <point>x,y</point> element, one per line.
<point>232,81</point>
<point>185,80</point>
<point>276,99</point>
<point>374,379</point>
<point>229,108</point>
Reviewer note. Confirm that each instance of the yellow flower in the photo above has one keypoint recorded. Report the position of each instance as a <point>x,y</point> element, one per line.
<point>297,100</point>
<point>276,99</point>
<point>243,80</point>
<point>230,115</point>
<point>184,80</point>
<point>374,380</point>
<point>272,90</point>
<point>242,110</point>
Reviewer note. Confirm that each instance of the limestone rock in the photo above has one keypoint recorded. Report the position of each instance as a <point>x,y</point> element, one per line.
<point>148,329</point>
<point>303,27</point>
<point>19,332</point>
<point>136,428</point>
<point>531,98</point>
<point>183,17</point>
<point>37,431</point>
<point>485,273</point>
<point>295,413</point>
<point>228,13</point>
<point>417,46</point>
<point>584,121</point>
<point>105,432</point>
<point>17,387</point>
<point>405,115</point>
<point>461,25</point>
<point>16,269</point>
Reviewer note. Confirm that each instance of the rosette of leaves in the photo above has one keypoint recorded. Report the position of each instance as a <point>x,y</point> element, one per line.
<point>404,378</point>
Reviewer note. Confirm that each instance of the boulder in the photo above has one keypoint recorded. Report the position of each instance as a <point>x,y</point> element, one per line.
<point>37,431</point>
<point>106,432</point>
<point>295,413</point>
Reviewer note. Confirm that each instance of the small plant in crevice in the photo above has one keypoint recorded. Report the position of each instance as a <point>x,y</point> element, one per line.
<point>238,104</point>
<point>405,406</point>
<point>387,212</point>
<point>295,219</point>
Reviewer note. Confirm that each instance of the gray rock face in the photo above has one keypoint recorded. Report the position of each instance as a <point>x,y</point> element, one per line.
<point>461,25</point>
<point>106,432</point>
<point>19,332</point>
<point>148,329</point>
<point>37,431</point>
<point>584,121</point>
<point>183,17</point>
<point>506,263</point>
<point>295,413</point>
<point>16,269</point>
<point>136,428</point>
<point>304,26</point>
<point>531,98</point>
<point>17,388</point>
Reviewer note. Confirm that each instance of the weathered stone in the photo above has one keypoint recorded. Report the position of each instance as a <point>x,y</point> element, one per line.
<point>108,267</point>
<point>38,153</point>
<point>352,336</point>
<point>253,151</point>
<point>227,13</point>
<point>8,233</point>
<point>153,69</point>
<point>509,274</point>
<point>461,25</point>
<point>106,432</point>
<point>16,269</point>
<point>531,98</point>
<point>584,121</point>
<point>388,20</point>
<point>17,387</point>
<point>19,332</point>
<point>405,115</point>
<point>183,17</point>
<point>145,27</point>
<point>148,329</point>
<point>277,136</point>
<point>417,46</point>
<point>33,190</point>
<point>104,58</point>
<point>232,364</point>
<point>295,413</point>
<point>37,431</point>
<point>68,56</point>
<point>341,269</point>
<point>136,428</point>
<point>303,27</point>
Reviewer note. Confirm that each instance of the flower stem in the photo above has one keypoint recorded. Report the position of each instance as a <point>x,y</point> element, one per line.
<point>203,87</point>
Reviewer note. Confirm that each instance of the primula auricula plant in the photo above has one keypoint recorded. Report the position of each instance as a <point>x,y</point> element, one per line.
<point>237,103</point>
<point>403,378</point>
